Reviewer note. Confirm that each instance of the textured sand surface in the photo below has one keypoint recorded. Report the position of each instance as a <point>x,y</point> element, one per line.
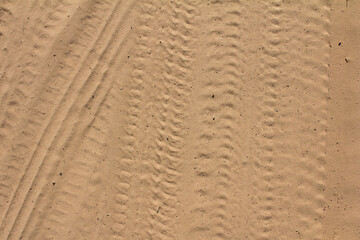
<point>180,120</point>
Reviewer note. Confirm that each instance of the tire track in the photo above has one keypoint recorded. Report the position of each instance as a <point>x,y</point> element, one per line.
<point>19,97</point>
<point>126,205</point>
<point>134,134</point>
<point>19,93</point>
<point>310,119</point>
<point>98,84</point>
<point>215,155</point>
<point>175,58</point>
<point>21,71</point>
<point>147,193</point>
<point>267,153</point>
<point>78,181</point>
<point>60,79</point>
<point>282,130</point>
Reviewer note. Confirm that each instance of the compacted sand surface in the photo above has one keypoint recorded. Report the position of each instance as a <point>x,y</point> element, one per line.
<point>180,120</point>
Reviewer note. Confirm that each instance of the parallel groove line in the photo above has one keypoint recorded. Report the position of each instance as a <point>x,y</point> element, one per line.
<point>90,52</point>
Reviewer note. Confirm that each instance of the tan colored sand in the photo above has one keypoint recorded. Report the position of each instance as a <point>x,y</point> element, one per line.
<point>179,120</point>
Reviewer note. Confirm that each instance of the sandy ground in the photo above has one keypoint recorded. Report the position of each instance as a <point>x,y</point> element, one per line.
<point>179,119</point>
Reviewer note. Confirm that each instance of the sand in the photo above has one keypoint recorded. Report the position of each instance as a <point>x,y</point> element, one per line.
<point>179,119</point>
